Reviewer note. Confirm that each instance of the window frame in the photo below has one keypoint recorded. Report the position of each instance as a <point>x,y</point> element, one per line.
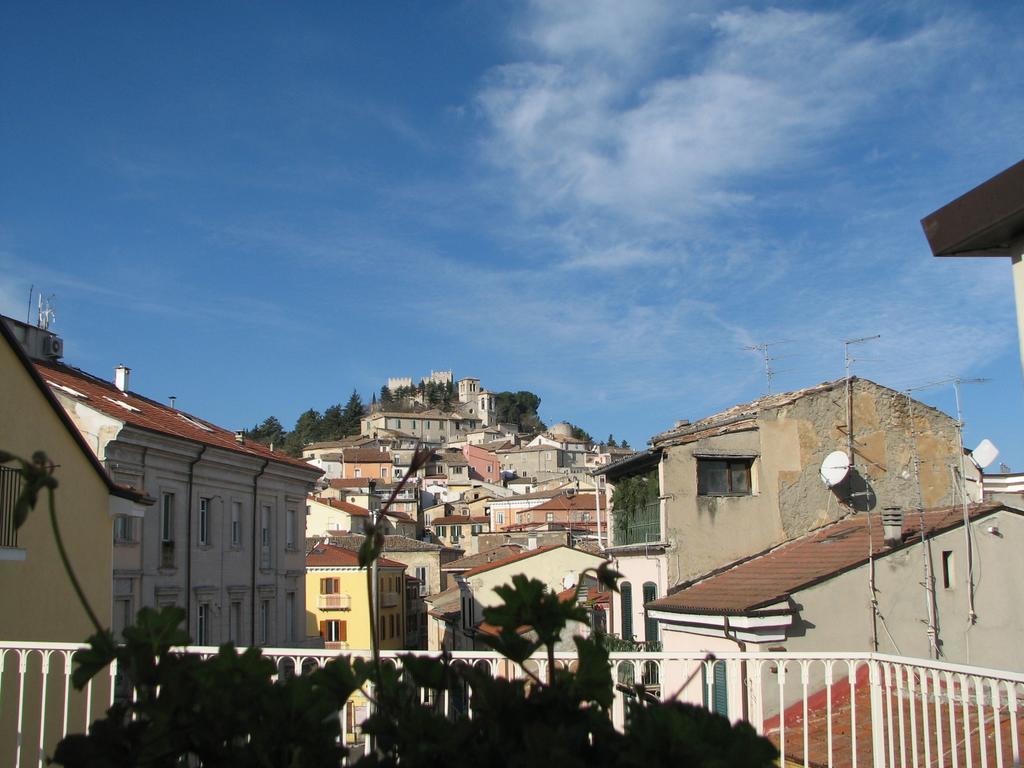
<point>732,464</point>
<point>203,522</point>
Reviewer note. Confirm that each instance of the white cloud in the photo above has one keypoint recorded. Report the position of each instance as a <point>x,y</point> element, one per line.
<point>672,145</point>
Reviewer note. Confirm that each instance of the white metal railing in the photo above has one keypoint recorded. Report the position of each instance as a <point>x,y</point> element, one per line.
<point>824,709</point>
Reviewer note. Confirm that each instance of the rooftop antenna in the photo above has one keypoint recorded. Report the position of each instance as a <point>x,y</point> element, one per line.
<point>172,398</point>
<point>769,372</point>
<point>972,616</point>
<point>848,361</point>
<point>28,314</point>
<point>46,312</point>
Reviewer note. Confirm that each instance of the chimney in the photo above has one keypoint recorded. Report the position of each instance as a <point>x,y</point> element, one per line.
<point>892,526</point>
<point>680,423</point>
<point>240,438</point>
<point>121,374</point>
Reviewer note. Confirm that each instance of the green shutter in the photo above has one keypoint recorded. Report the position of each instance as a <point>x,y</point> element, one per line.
<point>650,625</point>
<point>626,592</point>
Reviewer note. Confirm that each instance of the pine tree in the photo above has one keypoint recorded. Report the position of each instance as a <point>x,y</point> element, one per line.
<point>611,442</point>
<point>351,418</point>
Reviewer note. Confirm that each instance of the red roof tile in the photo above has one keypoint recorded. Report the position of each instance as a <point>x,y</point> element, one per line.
<point>512,559</point>
<point>148,414</point>
<point>578,501</point>
<point>328,555</point>
<point>344,506</point>
<point>771,577</point>
<point>366,456</point>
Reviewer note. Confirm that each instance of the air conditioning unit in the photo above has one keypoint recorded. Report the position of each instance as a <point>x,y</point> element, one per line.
<point>53,347</point>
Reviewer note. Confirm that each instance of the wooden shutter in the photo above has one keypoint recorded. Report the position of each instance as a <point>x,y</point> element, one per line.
<point>323,629</point>
<point>626,593</point>
<point>342,631</point>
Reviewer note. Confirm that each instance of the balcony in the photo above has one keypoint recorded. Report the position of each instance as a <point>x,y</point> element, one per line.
<point>641,526</point>
<point>334,602</point>
<point>837,709</point>
<point>388,599</point>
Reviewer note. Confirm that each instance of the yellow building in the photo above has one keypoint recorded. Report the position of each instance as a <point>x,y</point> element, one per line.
<point>37,598</point>
<point>338,601</point>
<point>37,601</point>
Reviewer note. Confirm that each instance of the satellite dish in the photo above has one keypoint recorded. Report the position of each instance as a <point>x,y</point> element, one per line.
<point>834,468</point>
<point>984,454</point>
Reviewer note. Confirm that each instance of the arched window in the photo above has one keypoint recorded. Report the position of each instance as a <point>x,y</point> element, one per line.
<point>650,625</point>
<point>626,601</point>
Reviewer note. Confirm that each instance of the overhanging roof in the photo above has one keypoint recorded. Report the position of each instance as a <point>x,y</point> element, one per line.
<point>982,222</point>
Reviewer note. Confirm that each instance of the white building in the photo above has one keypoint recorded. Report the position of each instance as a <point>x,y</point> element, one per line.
<point>224,540</point>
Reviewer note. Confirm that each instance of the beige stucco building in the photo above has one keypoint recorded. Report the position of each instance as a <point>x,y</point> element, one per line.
<point>747,479</point>
<point>224,540</point>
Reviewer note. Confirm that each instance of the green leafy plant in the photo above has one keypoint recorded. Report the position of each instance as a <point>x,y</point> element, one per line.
<point>176,708</point>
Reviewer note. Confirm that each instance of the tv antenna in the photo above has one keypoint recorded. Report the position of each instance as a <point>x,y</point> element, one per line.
<point>848,360</point>
<point>47,314</point>
<point>762,348</point>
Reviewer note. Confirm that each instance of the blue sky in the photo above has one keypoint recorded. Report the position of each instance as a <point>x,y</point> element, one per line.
<point>259,207</point>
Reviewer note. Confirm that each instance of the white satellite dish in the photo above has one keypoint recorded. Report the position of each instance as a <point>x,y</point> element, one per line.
<point>834,468</point>
<point>984,454</point>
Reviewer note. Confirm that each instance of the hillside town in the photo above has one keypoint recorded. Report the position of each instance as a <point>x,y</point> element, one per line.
<point>590,209</point>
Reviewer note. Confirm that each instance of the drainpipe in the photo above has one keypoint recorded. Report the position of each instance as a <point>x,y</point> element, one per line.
<point>255,526</point>
<point>188,543</point>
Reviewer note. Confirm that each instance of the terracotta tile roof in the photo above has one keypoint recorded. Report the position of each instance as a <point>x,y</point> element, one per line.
<point>459,520</point>
<point>744,415</point>
<point>350,482</point>
<point>583,502</point>
<point>392,543</point>
<point>366,456</point>
<point>144,413</point>
<point>344,506</point>
<point>328,555</point>
<point>512,559</point>
<point>772,576</point>
<point>481,558</point>
<point>115,489</point>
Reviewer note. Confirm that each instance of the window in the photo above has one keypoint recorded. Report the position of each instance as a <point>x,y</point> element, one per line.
<point>948,574</point>
<point>391,625</point>
<point>167,530</point>
<point>426,425</point>
<point>723,477</point>
<point>203,624</point>
<point>357,472</point>
<point>475,529</point>
<point>549,517</point>
<point>264,627</point>
<point>440,530</point>
<point>383,473</point>
<point>421,577</point>
<point>204,522</point>
<point>626,598</point>
<point>265,536</point>
<point>122,615</point>
<point>330,586</point>
<point>490,467</point>
<point>123,530</point>
<point>235,622</point>
<point>289,534</point>
<point>236,524</point>
<point>289,617</point>
<point>398,472</point>
<point>334,631</point>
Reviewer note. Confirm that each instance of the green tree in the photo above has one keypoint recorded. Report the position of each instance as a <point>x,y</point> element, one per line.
<point>386,399</point>
<point>267,432</point>
<point>352,416</point>
<point>580,433</point>
<point>611,442</point>
<point>519,408</point>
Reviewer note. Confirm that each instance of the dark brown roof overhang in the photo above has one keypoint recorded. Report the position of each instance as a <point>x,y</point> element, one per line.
<point>982,222</point>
